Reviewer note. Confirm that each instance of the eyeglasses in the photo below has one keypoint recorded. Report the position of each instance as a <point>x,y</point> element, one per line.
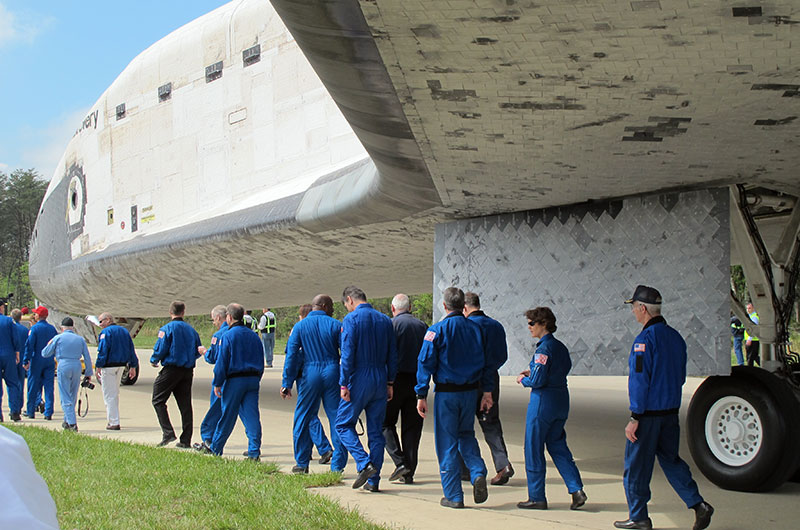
<point>531,323</point>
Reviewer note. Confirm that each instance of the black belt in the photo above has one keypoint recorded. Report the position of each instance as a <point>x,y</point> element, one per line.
<point>666,412</point>
<point>454,387</point>
<point>252,373</point>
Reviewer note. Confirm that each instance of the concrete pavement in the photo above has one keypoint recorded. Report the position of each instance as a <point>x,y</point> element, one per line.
<point>594,432</point>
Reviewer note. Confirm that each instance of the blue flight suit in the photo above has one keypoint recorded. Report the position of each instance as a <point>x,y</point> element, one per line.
<point>494,341</point>
<point>41,371</point>
<point>657,367</point>
<point>548,409</point>
<point>210,420</point>
<point>238,370</point>
<point>313,349</point>
<point>115,348</point>
<point>10,346</point>
<point>68,349</point>
<point>452,352</point>
<point>369,362</point>
<point>22,333</point>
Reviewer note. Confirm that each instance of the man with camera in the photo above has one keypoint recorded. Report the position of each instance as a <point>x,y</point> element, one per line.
<point>68,348</point>
<point>114,351</point>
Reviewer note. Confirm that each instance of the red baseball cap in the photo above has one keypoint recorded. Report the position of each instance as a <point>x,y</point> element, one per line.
<point>41,311</point>
<point>25,310</point>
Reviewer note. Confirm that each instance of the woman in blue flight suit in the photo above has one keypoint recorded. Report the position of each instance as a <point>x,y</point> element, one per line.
<point>547,413</point>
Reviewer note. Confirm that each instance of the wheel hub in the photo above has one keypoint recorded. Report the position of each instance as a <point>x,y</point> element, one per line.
<point>733,430</point>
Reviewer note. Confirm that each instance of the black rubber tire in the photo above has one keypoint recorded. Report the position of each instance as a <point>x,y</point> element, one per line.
<point>127,379</point>
<point>777,457</point>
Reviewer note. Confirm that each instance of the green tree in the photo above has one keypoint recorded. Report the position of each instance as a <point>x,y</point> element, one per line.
<point>21,194</point>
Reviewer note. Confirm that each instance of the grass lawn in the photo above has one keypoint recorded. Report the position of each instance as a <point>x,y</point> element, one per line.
<point>110,484</point>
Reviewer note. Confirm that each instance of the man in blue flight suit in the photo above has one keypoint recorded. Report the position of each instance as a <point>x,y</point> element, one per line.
<point>409,332</point>
<point>22,334</point>
<point>41,371</point>
<point>494,341</point>
<point>369,366</point>
<point>313,349</point>
<point>219,317</point>
<point>657,371</point>
<point>68,349</point>
<point>10,346</point>
<point>452,352</point>
<point>114,351</point>
<point>177,349</point>
<point>237,379</point>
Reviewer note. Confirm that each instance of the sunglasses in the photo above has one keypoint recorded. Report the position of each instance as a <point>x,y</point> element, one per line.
<point>531,323</point>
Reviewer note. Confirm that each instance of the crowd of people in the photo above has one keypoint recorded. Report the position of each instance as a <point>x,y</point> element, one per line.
<point>381,367</point>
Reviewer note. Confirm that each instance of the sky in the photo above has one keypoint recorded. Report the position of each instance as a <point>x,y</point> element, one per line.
<point>57,57</point>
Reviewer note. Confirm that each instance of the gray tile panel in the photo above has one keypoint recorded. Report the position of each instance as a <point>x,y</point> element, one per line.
<point>583,261</point>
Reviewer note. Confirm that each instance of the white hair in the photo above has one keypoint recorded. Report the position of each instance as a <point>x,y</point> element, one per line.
<point>401,302</point>
<point>653,309</point>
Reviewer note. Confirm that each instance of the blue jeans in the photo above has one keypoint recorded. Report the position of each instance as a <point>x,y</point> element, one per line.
<point>737,349</point>
<point>268,341</point>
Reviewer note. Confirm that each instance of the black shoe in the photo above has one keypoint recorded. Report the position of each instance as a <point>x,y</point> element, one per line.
<point>702,515</point>
<point>15,417</point>
<point>167,439</point>
<point>204,449</point>
<point>398,473</point>
<point>578,500</point>
<point>480,492</point>
<point>110,427</point>
<point>364,475</point>
<point>502,476</point>
<point>181,445</point>
<point>40,408</point>
<point>407,479</point>
<point>254,458</point>
<point>49,418</point>
<point>532,505</point>
<point>447,503</point>
<point>326,458</point>
<point>200,447</point>
<point>64,425</point>
<point>372,488</point>
<point>298,470</point>
<point>32,416</point>
<point>644,524</point>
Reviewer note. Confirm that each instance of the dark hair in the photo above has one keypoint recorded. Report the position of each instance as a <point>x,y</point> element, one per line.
<point>323,302</point>
<point>453,298</point>
<point>177,308</point>
<point>304,310</point>
<point>236,311</point>
<point>472,299</point>
<point>544,316</point>
<point>355,293</point>
<point>67,322</point>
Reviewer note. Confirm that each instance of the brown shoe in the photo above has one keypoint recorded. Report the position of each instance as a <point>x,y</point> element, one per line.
<point>502,476</point>
<point>112,427</point>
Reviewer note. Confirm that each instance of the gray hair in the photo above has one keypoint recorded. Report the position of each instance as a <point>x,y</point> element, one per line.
<point>219,311</point>
<point>355,293</point>
<point>236,311</point>
<point>16,314</point>
<point>472,299</point>
<point>653,309</point>
<point>401,302</point>
<point>453,299</point>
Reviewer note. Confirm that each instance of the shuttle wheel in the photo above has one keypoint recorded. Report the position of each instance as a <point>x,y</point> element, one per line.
<point>126,379</point>
<point>743,430</point>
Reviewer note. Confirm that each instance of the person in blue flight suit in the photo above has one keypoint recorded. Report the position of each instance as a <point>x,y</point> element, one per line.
<point>737,330</point>
<point>219,317</point>
<point>452,352</point>
<point>11,343</point>
<point>115,351</point>
<point>657,371</point>
<point>68,348</point>
<point>369,366</point>
<point>177,349</point>
<point>22,333</point>
<point>237,380</point>
<point>548,409</point>
<point>409,332</point>
<point>312,361</point>
<point>494,340</point>
<point>315,429</point>
<point>41,371</point>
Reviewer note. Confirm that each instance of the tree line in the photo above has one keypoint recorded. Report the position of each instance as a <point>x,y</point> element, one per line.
<point>21,194</point>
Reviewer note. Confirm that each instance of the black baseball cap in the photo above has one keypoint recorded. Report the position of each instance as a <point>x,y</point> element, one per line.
<point>67,322</point>
<point>645,294</point>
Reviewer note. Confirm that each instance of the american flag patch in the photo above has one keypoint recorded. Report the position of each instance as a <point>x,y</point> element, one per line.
<point>429,336</point>
<point>540,358</point>
<point>213,340</point>
<point>639,346</point>
<point>161,334</point>
<point>102,336</point>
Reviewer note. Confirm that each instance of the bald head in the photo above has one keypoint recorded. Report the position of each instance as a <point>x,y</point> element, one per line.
<point>106,319</point>
<point>322,302</point>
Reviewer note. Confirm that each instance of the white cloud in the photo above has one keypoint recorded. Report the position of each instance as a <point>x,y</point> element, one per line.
<point>3,167</point>
<point>48,144</point>
<point>21,27</point>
